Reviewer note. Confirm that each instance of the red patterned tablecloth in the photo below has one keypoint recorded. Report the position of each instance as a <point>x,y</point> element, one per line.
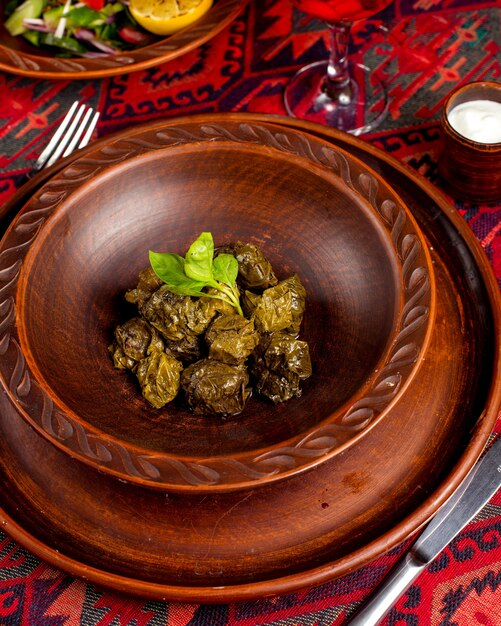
<point>425,49</point>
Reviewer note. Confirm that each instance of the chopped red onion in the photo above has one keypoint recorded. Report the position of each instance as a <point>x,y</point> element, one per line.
<point>36,24</point>
<point>85,34</point>
<point>33,21</point>
<point>102,46</point>
<point>93,55</point>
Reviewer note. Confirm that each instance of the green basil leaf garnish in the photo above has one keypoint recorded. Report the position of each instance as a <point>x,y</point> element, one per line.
<point>225,269</point>
<point>198,260</point>
<point>198,270</point>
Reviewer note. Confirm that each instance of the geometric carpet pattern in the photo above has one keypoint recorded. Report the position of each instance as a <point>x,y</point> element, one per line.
<point>421,49</point>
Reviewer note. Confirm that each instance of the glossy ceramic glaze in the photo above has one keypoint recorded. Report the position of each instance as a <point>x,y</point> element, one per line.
<point>472,170</point>
<point>312,209</point>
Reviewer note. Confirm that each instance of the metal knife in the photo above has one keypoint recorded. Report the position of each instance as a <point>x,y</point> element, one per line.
<point>474,492</point>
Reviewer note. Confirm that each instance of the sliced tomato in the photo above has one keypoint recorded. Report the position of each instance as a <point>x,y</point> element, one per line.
<point>131,35</point>
<point>97,5</point>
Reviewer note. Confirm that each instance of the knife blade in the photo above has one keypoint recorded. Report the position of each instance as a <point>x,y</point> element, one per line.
<point>472,495</point>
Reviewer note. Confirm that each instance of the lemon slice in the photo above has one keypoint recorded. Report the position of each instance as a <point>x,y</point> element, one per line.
<point>166,17</point>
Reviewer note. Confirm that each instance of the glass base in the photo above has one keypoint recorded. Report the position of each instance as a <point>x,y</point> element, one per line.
<point>357,110</point>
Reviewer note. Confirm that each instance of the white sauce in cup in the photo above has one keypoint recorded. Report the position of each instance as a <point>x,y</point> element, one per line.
<point>478,120</point>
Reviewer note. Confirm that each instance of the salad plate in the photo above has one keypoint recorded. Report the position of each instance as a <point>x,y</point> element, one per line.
<point>18,56</point>
<point>235,545</point>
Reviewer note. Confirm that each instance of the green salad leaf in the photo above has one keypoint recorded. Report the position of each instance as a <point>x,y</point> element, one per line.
<point>27,10</point>
<point>85,16</point>
<point>70,44</point>
<point>198,270</point>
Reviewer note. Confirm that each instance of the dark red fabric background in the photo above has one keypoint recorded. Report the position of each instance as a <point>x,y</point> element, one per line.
<point>423,48</point>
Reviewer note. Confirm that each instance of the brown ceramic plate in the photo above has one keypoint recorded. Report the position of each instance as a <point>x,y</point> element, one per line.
<point>17,56</point>
<point>236,546</point>
<point>314,210</point>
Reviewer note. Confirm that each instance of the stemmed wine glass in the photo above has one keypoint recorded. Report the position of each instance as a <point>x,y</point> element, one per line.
<point>336,92</point>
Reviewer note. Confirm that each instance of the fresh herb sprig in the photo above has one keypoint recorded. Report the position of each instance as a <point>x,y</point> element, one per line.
<point>199,270</point>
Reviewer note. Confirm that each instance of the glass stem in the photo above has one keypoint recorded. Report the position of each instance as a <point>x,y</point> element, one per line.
<point>337,80</point>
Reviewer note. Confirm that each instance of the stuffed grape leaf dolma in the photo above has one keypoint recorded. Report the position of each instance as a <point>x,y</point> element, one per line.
<point>250,300</point>
<point>254,269</point>
<point>159,376</point>
<point>224,318</point>
<point>174,316</point>
<point>215,388</point>
<point>181,319</point>
<point>273,311</point>
<point>209,308</point>
<point>279,364</point>
<point>134,340</point>
<point>187,350</point>
<point>279,308</point>
<point>231,338</point>
<point>298,302</point>
<point>148,283</point>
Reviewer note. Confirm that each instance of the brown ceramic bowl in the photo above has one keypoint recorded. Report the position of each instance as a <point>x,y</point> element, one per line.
<point>314,526</point>
<point>80,242</point>
<point>18,56</point>
<point>471,169</point>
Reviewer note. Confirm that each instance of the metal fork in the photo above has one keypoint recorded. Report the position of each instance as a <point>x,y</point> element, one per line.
<point>73,133</point>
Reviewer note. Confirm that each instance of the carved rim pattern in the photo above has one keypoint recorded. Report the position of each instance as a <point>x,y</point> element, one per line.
<point>218,17</point>
<point>250,469</point>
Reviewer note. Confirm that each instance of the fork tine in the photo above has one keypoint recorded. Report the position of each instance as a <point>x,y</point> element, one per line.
<point>42,159</point>
<point>66,137</point>
<point>90,130</point>
<point>79,132</point>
